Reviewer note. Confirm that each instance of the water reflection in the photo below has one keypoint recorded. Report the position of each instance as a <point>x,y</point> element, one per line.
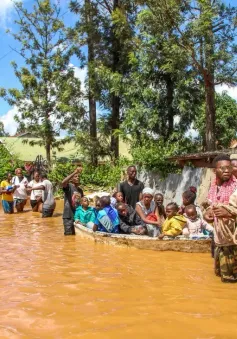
<point>53,286</point>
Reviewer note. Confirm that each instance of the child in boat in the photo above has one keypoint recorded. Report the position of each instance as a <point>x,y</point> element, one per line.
<point>97,205</point>
<point>118,196</point>
<point>159,200</point>
<point>174,223</point>
<point>195,225</point>
<point>85,214</point>
<point>107,219</point>
<point>189,198</point>
<point>130,222</point>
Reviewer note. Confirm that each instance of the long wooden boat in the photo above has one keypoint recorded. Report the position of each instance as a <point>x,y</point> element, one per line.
<point>145,242</point>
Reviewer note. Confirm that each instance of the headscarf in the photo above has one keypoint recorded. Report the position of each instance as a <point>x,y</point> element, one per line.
<point>148,190</point>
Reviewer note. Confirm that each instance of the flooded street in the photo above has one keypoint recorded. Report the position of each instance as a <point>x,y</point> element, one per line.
<point>53,286</point>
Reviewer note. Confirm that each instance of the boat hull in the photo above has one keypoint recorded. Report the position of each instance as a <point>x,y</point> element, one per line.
<point>145,242</point>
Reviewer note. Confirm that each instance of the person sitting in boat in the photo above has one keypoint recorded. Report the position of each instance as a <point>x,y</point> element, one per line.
<point>159,200</point>
<point>130,222</point>
<point>148,212</point>
<point>97,205</point>
<point>195,225</point>
<point>189,198</point>
<point>174,223</point>
<point>107,219</point>
<point>118,196</point>
<point>85,214</point>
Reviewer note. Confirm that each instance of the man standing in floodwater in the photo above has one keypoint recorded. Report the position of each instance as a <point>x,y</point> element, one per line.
<point>72,192</point>
<point>222,198</point>
<point>132,188</point>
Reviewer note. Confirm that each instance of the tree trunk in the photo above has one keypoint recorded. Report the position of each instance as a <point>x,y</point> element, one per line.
<point>210,113</point>
<point>170,98</point>
<point>115,125</point>
<point>48,152</point>
<point>209,88</point>
<point>91,84</point>
<point>115,100</point>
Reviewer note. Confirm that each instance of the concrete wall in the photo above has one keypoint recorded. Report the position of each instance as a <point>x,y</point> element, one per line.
<point>175,184</point>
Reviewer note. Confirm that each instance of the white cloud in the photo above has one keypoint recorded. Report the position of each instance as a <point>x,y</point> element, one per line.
<point>6,7</point>
<point>10,125</point>
<point>81,74</point>
<point>231,91</point>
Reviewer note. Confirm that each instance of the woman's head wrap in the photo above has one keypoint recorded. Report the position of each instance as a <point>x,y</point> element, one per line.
<point>148,190</point>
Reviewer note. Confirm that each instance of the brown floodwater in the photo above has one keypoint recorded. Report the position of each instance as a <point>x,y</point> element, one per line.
<point>53,286</point>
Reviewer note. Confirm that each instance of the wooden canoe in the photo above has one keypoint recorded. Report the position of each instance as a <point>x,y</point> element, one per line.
<point>145,242</point>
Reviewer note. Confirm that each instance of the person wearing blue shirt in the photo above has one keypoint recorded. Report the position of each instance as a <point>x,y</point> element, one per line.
<point>107,219</point>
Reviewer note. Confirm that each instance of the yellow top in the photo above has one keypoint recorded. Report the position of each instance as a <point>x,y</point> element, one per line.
<point>6,196</point>
<point>174,225</point>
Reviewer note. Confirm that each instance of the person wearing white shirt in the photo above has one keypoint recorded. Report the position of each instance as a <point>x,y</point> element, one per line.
<point>48,201</point>
<point>36,193</point>
<point>19,183</point>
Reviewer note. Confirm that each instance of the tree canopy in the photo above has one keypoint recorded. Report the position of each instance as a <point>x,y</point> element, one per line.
<point>152,67</point>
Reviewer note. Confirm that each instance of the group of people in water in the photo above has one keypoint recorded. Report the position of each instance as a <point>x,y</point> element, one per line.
<point>15,191</point>
<point>138,210</point>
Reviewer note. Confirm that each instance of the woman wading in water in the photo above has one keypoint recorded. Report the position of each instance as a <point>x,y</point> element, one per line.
<point>19,183</point>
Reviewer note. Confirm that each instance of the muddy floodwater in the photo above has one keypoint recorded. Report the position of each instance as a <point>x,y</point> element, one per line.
<point>53,286</point>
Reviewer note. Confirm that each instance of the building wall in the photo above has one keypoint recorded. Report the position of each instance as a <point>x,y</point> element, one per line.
<point>175,184</point>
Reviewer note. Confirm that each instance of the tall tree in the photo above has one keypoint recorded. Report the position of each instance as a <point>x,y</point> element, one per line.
<point>226,120</point>
<point>205,31</point>
<point>50,97</point>
<point>86,33</point>
<point>115,67</point>
<point>107,27</point>
<point>162,96</point>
